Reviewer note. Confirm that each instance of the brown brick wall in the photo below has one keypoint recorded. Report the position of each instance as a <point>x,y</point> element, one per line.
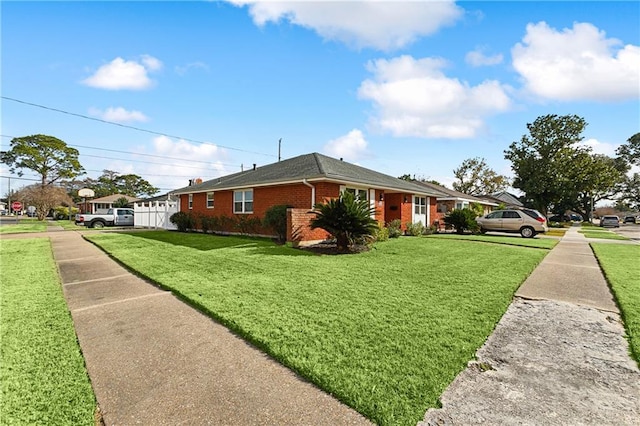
<point>298,229</point>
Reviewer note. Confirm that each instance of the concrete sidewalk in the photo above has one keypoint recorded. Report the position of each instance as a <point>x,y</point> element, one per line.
<point>153,360</point>
<point>557,357</point>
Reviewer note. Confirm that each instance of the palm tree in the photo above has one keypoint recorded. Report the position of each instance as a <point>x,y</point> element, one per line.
<point>347,219</point>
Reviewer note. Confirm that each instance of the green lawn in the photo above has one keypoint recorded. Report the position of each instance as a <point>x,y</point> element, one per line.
<point>43,376</point>
<point>621,265</point>
<point>384,331</point>
<point>24,226</point>
<point>546,243</point>
<point>601,233</point>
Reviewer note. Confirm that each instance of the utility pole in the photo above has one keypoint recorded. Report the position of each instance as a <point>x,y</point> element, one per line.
<point>279,145</point>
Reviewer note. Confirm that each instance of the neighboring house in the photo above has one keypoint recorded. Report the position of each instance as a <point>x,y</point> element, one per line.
<point>101,205</point>
<point>450,199</point>
<point>302,182</point>
<point>510,201</point>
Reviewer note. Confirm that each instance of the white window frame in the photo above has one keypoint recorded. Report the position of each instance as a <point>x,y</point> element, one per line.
<point>356,191</point>
<point>210,200</point>
<point>243,201</point>
<point>190,201</point>
<point>422,208</point>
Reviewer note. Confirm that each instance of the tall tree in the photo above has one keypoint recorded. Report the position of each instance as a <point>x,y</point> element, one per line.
<point>540,160</point>
<point>111,182</point>
<point>592,178</point>
<point>630,193</point>
<point>475,177</point>
<point>47,156</point>
<point>630,151</point>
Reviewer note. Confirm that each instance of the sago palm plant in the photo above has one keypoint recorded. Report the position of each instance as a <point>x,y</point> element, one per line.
<point>347,219</point>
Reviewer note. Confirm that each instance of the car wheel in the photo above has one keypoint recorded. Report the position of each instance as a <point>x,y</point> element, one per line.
<point>483,231</point>
<point>99,224</point>
<point>527,232</point>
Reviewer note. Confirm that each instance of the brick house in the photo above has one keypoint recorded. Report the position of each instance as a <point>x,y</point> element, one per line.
<point>450,199</point>
<point>301,182</point>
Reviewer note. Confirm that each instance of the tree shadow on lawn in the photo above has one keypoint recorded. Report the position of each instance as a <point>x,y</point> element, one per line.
<point>207,242</point>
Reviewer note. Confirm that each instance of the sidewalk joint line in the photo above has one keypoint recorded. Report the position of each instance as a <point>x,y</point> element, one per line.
<point>115,302</point>
<point>76,259</point>
<point>96,279</point>
<point>550,262</point>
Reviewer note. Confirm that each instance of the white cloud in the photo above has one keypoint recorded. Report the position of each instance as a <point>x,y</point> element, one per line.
<point>598,147</point>
<point>351,147</point>
<point>413,97</point>
<point>118,115</point>
<point>182,70</point>
<point>477,58</point>
<point>120,74</point>
<point>204,161</point>
<point>577,63</point>
<point>384,25</point>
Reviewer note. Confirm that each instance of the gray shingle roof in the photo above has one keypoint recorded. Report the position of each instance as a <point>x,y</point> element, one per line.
<point>312,167</point>
<point>451,193</point>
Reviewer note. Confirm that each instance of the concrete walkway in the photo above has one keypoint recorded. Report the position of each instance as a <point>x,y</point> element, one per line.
<point>153,360</point>
<point>557,357</point>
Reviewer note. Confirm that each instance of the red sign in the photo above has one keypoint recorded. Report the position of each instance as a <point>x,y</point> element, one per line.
<point>16,206</point>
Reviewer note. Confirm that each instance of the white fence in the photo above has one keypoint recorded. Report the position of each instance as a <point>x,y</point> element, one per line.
<point>154,214</point>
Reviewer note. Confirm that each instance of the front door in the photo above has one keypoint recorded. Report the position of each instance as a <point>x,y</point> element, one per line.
<point>420,210</point>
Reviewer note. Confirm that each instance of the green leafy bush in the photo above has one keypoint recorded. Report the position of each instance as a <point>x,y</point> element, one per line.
<point>275,218</point>
<point>415,229</point>
<point>206,223</point>
<point>62,212</point>
<point>184,221</point>
<point>382,233</point>
<point>395,228</point>
<point>347,219</point>
<point>248,225</point>
<point>121,202</point>
<point>462,220</point>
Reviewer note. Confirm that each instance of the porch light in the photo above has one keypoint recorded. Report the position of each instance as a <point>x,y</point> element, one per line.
<point>406,200</point>
<point>381,197</point>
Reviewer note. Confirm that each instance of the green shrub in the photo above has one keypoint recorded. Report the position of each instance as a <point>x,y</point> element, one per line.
<point>248,225</point>
<point>462,220</point>
<point>62,212</point>
<point>206,223</point>
<point>121,202</point>
<point>347,219</point>
<point>275,218</point>
<point>184,221</point>
<point>414,229</point>
<point>382,233</point>
<point>225,224</point>
<point>395,228</point>
<point>428,230</point>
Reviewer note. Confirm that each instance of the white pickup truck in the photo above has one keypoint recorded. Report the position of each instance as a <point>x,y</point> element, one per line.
<point>113,217</point>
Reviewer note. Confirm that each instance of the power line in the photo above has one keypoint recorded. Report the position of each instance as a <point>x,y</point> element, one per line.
<point>140,154</point>
<point>146,162</point>
<point>86,117</point>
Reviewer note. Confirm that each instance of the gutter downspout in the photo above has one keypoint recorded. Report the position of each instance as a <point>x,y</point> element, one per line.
<point>313,192</point>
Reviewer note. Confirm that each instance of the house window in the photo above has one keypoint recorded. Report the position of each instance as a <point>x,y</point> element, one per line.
<point>442,208</point>
<point>190,201</point>
<point>209,200</point>
<point>420,205</point>
<point>243,201</point>
<point>358,193</point>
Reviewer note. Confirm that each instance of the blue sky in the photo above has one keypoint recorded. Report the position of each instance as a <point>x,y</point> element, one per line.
<point>399,87</point>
